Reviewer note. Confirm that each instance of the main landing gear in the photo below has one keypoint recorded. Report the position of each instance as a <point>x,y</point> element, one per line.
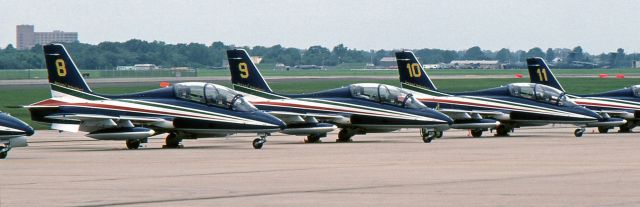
<point>476,133</point>
<point>172,141</point>
<point>603,130</point>
<point>135,143</point>
<point>345,135</point>
<point>314,138</point>
<point>258,142</point>
<point>4,151</point>
<point>626,128</point>
<point>578,132</point>
<point>428,135</point>
<point>503,130</point>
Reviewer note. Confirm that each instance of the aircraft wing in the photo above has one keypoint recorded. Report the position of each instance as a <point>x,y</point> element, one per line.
<point>97,121</point>
<point>91,117</point>
<point>298,118</point>
<point>617,113</point>
<point>474,114</point>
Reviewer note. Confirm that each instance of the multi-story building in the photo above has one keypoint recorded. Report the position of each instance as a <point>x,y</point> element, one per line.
<point>26,37</point>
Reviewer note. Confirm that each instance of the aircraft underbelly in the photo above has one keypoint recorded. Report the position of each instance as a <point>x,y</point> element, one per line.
<point>388,122</point>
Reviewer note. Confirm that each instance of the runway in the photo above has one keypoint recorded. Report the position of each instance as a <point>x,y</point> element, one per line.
<point>534,167</point>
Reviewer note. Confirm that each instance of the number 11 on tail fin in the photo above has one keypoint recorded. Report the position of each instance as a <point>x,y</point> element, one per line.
<point>540,73</point>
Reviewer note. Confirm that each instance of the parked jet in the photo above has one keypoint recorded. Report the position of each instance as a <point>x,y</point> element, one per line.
<point>185,110</point>
<point>622,103</point>
<point>13,133</point>
<point>356,109</point>
<point>514,105</point>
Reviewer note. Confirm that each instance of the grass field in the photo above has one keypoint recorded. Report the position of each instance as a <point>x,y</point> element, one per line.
<point>268,71</point>
<point>24,95</point>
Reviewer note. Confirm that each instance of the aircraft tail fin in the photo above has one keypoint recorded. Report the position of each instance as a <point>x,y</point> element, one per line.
<point>244,72</point>
<point>411,71</point>
<point>64,76</point>
<point>540,73</point>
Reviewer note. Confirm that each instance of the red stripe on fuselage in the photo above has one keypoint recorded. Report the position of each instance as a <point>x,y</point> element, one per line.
<point>51,102</point>
<point>467,103</point>
<point>604,105</point>
<point>269,103</point>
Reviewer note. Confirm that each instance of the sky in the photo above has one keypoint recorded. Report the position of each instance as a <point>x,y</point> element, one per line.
<point>597,25</point>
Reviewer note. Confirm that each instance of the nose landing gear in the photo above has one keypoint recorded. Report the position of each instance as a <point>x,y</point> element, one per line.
<point>578,132</point>
<point>428,135</point>
<point>258,142</point>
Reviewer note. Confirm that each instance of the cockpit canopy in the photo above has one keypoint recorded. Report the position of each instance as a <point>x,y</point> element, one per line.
<point>636,90</point>
<point>385,94</point>
<point>213,95</point>
<point>541,93</point>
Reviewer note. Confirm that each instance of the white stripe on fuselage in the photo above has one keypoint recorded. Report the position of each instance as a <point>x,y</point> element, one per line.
<point>202,115</point>
<point>494,104</point>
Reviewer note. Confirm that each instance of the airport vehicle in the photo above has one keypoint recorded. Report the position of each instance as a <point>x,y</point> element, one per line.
<point>622,104</point>
<point>13,133</point>
<point>514,105</point>
<point>187,110</point>
<point>356,109</point>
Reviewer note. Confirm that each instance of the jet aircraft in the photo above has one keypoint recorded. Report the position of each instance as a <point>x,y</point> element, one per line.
<point>623,104</point>
<point>356,109</point>
<point>13,133</point>
<point>514,105</point>
<point>187,110</point>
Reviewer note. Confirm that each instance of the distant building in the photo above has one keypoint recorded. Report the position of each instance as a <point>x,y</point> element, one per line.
<point>304,67</point>
<point>476,64</point>
<point>388,62</point>
<point>145,67</point>
<point>281,66</point>
<point>635,64</point>
<point>125,67</point>
<point>256,59</point>
<point>140,67</point>
<point>26,37</point>
<point>432,66</point>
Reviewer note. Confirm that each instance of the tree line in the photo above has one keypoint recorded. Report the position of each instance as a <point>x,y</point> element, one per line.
<point>109,55</point>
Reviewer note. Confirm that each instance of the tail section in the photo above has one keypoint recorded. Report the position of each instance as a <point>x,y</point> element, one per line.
<point>244,73</point>
<point>411,71</point>
<point>64,76</point>
<point>540,73</point>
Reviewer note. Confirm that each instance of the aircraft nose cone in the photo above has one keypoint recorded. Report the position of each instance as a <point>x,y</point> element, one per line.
<point>28,131</point>
<point>275,121</point>
<point>444,117</point>
<point>12,122</point>
<point>594,116</point>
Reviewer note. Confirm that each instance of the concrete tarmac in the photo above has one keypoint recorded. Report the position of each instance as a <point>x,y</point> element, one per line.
<point>533,167</point>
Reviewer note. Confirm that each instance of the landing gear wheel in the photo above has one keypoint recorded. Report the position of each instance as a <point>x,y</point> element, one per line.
<point>579,132</point>
<point>344,136</point>
<point>258,142</point>
<point>312,138</point>
<point>133,144</point>
<point>603,130</point>
<point>502,131</point>
<point>439,134</point>
<point>626,128</point>
<point>428,136</point>
<point>172,141</point>
<point>4,153</point>
<point>476,133</point>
